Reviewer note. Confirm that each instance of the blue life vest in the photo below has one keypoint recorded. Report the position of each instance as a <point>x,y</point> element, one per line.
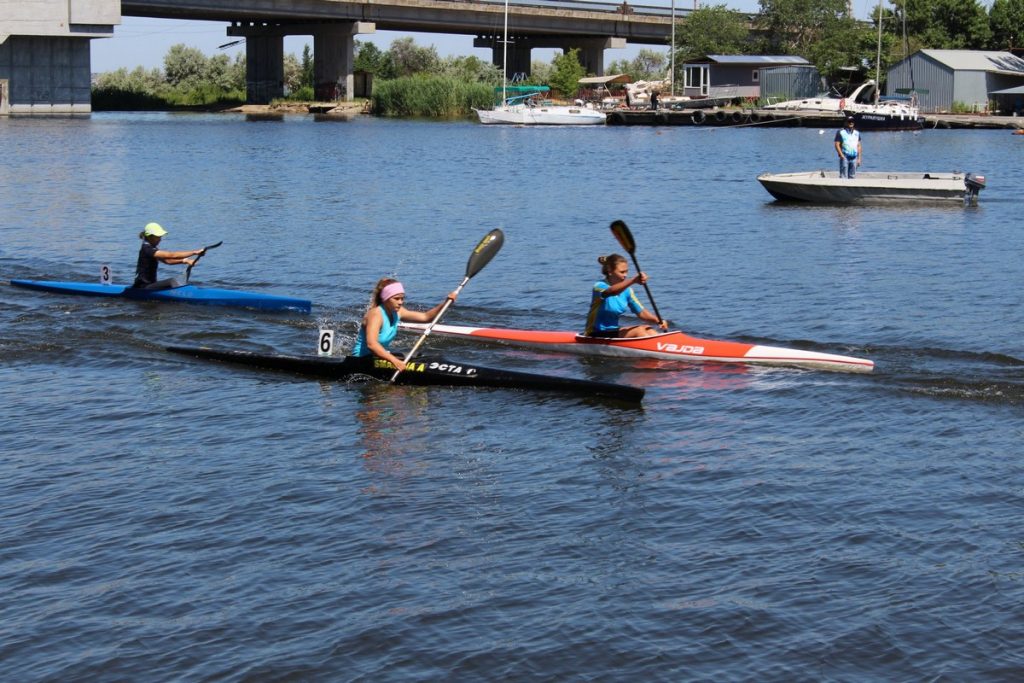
<point>388,331</point>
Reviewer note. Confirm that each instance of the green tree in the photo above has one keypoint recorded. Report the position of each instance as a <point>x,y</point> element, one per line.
<point>540,73</point>
<point>648,65</point>
<point>238,75</point>
<point>410,58</point>
<point>184,66</point>
<point>713,30</point>
<point>849,43</point>
<point>369,58</point>
<point>567,73</point>
<point>307,66</point>
<point>790,27</point>
<point>292,73</point>
<point>1006,21</point>
<point>218,72</point>
<point>139,81</point>
<point>470,69</point>
<point>948,24</point>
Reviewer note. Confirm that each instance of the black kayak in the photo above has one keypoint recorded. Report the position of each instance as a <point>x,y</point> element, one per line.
<point>421,371</point>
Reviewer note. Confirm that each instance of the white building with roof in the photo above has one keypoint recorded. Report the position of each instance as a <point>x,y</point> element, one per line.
<point>967,77</point>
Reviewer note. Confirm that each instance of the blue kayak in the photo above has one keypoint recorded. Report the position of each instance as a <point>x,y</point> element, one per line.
<point>190,294</point>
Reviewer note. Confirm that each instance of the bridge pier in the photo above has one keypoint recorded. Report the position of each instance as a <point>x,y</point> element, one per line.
<point>591,51</point>
<point>333,57</point>
<point>44,53</point>
<point>518,53</point>
<point>264,68</point>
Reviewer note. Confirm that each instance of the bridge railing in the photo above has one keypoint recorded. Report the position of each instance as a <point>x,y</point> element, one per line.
<point>587,6</point>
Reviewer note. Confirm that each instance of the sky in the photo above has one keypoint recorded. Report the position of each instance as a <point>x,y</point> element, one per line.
<point>143,42</point>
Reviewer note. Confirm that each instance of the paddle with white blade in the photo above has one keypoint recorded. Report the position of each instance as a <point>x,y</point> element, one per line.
<point>625,238</point>
<point>481,256</point>
<point>188,271</point>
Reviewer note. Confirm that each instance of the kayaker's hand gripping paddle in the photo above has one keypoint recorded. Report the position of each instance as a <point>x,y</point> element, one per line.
<point>188,271</point>
<point>480,257</point>
<point>625,238</point>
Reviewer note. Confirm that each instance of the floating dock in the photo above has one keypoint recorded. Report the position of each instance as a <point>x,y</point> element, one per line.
<point>777,118</point>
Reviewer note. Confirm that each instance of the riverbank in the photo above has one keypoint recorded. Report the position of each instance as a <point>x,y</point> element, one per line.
<point>330,109</point>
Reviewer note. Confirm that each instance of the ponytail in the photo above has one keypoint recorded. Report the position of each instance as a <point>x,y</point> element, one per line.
<point>609,262</point>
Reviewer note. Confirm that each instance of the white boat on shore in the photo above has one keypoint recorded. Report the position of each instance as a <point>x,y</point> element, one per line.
<point>525,110</point>
<point>826,187</point>
<point>528,109</point>
<point>863,104</point>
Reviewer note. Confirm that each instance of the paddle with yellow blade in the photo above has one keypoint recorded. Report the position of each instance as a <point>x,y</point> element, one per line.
<point>625,238</point>
<point>480,257</point>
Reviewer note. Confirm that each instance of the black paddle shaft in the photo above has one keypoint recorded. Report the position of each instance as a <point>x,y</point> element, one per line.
<point>478,258</point>
<point>188,271</point>
<point>625,238</point>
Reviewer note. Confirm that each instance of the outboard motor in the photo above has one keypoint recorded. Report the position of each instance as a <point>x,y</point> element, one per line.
<point>974,183</point>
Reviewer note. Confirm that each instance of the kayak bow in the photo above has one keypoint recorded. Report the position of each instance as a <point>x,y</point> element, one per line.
<point>667,346</point>
<point>186,294</point>
<point>422,372</point>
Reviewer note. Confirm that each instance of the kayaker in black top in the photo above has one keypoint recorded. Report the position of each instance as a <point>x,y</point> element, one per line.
<point>150,257</point>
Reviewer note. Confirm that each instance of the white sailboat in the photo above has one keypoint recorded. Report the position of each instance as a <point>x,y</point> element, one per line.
<point>527,110</point>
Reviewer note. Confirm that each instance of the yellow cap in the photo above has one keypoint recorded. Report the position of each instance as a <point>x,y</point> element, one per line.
<point>154,229</point>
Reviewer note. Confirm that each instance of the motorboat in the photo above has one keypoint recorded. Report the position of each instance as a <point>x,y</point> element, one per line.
<point>869,111</point>
<point>867,187</point>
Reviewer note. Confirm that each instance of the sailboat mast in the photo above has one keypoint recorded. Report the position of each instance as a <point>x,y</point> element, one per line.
<point>504,58</point>
<point>878,59</point>
<point>672,60</point>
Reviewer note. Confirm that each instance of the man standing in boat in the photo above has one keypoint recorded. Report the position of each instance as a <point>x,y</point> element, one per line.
<point>847,144</point>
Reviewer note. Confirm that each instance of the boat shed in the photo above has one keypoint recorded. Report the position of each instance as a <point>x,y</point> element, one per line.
<point>1010,100</point>
<point>966,77</point>
<point>793,82</point>
<point>730,75</point>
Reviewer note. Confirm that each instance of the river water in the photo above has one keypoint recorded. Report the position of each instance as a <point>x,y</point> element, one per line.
<point>166,519</point>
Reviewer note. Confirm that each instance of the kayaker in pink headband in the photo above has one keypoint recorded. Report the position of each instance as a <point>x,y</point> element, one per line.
<point>380,324</point>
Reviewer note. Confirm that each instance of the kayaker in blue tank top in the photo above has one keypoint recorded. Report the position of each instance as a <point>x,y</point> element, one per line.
<point>612,297</point>
<point>150,256</point>
<point>380,324</point>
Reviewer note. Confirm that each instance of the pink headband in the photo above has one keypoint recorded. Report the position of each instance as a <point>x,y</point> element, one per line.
<point>391,290</point>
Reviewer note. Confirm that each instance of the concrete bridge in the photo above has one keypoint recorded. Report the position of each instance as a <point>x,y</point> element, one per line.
<point>44,58</point>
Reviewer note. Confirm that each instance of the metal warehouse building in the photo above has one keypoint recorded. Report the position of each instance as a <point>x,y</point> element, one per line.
<point>730,75</point>
<point>968,77</point>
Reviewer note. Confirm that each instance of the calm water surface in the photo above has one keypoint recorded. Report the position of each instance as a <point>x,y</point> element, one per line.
<point>165,519</point>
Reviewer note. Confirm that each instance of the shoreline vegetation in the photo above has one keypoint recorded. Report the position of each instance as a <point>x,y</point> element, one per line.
<point>410,80</point>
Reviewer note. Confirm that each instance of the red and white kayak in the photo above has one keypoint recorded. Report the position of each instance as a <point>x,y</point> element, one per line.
<point>667,346</point>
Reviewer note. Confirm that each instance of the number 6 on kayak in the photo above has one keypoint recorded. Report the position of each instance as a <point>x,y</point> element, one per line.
<point>480,257</point>
<point>325,344</point>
